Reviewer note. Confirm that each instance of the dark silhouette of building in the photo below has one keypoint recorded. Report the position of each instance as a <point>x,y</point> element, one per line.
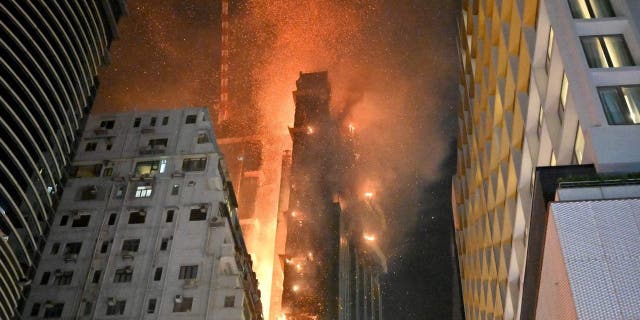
<point>50,53</point>
<point>311,259</point>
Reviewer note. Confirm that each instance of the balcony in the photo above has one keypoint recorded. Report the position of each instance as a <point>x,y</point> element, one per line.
<point>152,150</point>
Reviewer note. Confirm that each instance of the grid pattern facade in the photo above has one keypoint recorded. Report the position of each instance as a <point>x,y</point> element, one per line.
<point>147,227</point>
<point>50,53</point>
<point>543,83</point>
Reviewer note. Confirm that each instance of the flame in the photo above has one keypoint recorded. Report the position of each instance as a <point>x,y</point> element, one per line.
<point>369,237</point>
<point>368,194</point>
<point>295,288</point>
<point>309,130</point>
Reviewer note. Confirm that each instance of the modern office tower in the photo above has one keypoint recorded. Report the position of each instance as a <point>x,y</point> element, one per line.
<point>582,257</point>
<point>147,227</point>
<point>331,262</point>
<point>50,53</point>
<point>310,287</point>
<point>544,83</point>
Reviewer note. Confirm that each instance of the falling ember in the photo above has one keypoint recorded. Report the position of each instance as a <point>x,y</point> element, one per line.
<point>352,129</point>
<point>309,130</point>
<point>294,214</point>
<point>369,237</point>
<point>295,288</point>
<point>368,194</point>
<point>288,261</point>
<point>298,267</point>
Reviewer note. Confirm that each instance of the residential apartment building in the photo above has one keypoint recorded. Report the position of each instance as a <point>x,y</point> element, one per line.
<point>50,54</point>
<point>543,83</point>
<point>147,227</point>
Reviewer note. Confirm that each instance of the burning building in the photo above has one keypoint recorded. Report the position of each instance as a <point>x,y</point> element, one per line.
<point>331,262</point>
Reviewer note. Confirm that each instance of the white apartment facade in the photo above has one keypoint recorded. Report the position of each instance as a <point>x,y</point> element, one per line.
<point>544,83</point>
<point>147,227</point>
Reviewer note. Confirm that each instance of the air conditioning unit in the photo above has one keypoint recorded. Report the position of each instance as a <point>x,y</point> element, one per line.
<point>142,212</point>
<point>126,254</point>
<point>70,257</point>
<point>189,283</point>
<point>128,270</point>
<point>178,298</point>
<point>177,173</point>
<point>111,302</point>
<point>216,222</point>
<point>57,272</point>
<point>203,208</point>
<point>48,304</point>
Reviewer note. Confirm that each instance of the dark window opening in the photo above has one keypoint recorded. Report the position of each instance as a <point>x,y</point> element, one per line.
<point>137,217</point>
<point>192,118</point>
<point>81,221</point>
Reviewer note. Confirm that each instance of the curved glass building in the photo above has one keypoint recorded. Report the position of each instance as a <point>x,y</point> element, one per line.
<point>50,53</point>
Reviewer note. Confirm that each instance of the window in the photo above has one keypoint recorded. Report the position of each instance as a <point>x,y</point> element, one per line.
<point>152,122</point>
<point>188,272</point>
<point>137,217</point>
<point>144,191</point>
<point>104,247</point>
<point>194,164</point>
<point>540,120</point>
<point>564,92</point>
<point>182,304</point>
<point>63,278</point>
<point>192,118</point>
<point>45,278</point>
<point>229,301</point>
<point>115,307</point>
<point>81,221</point>
<point>90,146</point>
<point>53,310</point>
<point>164,244</point>
<point>73,248</point>
<point>203,138</point>
<point>158,274</point>
<point>35,309</point>
<point>120,192</point>
<point>123,275</point>
<point>96,276</point>
<point>87,308</point>
<point>609,51</point>
<point>547,63</point>
<point>151,167</point>
<point>108,124</point>
<point>198,214</point>
<point>621,104</point>
<point>170,214</point>
<point>86,171</point>
<point>63,220</point>
<point>108,172</point>
<point>55,248</point>
<point>131,245</point>
<point>112,219</point>
<point>578,149</point>
<point>591,9</point>
<point>108,146</point>
<point>158,143</point>
<point>151,306</point>
<point>136,122</point>
<point>165,121</point>
<point>89,193</point>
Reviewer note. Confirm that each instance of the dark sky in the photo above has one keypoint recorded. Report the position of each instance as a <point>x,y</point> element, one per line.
<point>394,71</point>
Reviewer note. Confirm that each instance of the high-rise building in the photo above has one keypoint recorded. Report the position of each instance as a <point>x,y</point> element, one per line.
<point>147,226</point>
<point>50,53</point>
<point>332,262</point>
<point>310,287</point>
<point>544,83</point>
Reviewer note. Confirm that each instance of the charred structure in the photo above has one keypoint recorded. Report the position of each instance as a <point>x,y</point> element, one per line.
<point>331,261</point>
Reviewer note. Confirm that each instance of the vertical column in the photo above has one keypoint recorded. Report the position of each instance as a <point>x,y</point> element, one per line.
<point>223,112</point>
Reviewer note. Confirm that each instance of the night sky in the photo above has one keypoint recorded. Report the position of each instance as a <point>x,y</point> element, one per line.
<point>393,66</point>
